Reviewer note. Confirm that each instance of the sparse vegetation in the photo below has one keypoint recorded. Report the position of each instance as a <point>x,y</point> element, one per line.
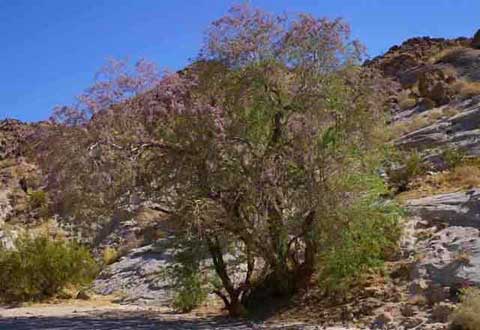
<point>407,126</point>
<point>422,120</point>
<point>463,176</point>
<point>467,89</point>
<point>447,54</point>
<point>40,268</point>
<point>453,157</point>
<point>407,167</point>
<point>110,255</point>
<point>467,315</point>
<point>37,199</point>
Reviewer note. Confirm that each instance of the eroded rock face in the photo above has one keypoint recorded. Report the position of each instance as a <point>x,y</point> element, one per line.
<point>137,277</point>
<point>460,132</point>
<point>412,53</point>
<point>451,257</point>
<point>460,209</point>
<point>450,254</point>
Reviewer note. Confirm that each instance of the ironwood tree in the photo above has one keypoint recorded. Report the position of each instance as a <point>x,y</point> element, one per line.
<point>265,150</point>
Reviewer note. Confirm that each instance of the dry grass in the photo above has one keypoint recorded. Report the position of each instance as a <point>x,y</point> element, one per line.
<point>447,54</point>
<point>422,120</point>
<point>405,100</point>
<point>462,177</point>
<point>467,315</point>
<point>110,255</point>
<point>407,103</point>
<point>467,89</point>
<point>407,126</point>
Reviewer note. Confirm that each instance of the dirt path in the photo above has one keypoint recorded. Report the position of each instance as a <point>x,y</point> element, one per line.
<point>115,317</point>
<point>107,318</point>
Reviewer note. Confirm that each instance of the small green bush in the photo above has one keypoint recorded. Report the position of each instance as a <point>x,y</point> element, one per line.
<point>37,199</point>
<point>188,284</point>
<point>467,315</point>
<point>453,157</point>
<point>41,267</point>
<point>190,292</point>
<point>369,239</point>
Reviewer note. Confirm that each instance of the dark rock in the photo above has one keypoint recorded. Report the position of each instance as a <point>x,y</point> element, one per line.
<point>83,295</point>
<point>476,40</point>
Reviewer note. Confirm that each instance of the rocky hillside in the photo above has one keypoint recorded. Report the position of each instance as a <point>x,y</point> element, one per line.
<point>436,126</point>
<point>22,199</point>
<point>435,123</point>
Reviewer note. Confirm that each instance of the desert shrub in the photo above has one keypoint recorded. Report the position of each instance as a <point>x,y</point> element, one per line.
<point>467,315</point>
<point>453,157</point>
<point>40,268</point>
<point>407,103</point>
<point>407,168</point>
<point>110,255</point>
<point>190,288</point>
<point>190,293</point>
<point>467,89</point>
<point>447,54</point>
<point>37,199</point>
<point>365,245</point>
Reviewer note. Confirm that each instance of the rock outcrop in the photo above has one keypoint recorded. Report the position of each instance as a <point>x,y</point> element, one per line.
<point>137,277</point>
<point>450,246</point>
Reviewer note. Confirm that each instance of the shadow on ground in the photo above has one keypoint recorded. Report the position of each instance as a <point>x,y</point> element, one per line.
<point>106,322</point>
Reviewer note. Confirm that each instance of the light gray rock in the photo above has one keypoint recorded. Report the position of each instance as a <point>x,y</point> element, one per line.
<point>453,209</point>
<point>460,132</point>
<point>137,277</point>
<point>451,257</point>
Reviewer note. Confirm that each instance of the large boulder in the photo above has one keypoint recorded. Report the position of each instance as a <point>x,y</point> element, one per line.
<point>435,84</point>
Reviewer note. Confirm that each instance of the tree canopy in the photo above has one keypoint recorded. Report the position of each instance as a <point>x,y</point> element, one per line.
<point>266,149</point>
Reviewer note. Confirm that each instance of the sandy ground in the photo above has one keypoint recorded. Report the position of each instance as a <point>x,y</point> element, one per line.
<point>80,315</point>
<point>83,316</point>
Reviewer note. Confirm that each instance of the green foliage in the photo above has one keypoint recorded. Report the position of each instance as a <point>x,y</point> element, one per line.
<point>453,157</point>
<point>40,268</point>
<point>263,149</point>
<point>37,199</point>
<point>371,235</point>
<point>190,293</point>
<point>467,314</point>
<point>189,286</point>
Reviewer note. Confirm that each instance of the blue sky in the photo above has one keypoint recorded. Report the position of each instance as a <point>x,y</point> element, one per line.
<point>50,49</point>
